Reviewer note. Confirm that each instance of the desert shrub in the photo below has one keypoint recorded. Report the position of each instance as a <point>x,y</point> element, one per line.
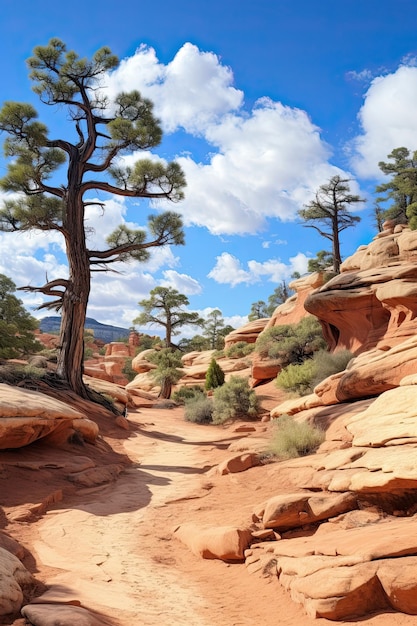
<point>214,375</point>
<point>297,378</point>
<point>88,353</point>
<point>239,350</point>
<point>128,371</point>
<point>15,374</point>
<point>235,399</point>
<point>302,378</point>
<point>327,363</point>
<point>199,409</point>
<point>291,343</point>
<point>187,393</point>
<point>292,439</point>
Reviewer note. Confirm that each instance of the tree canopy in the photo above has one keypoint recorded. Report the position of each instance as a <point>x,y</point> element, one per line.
<point>328,213</point>
<point>401,190</point>
<point>321,262</point>
<point>165,308</point>
<point>54,179</point>
<point>213,327</point>
<point>17,338</point>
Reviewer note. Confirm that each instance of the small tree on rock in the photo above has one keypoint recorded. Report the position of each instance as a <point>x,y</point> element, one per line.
<point>167,371</point>
<point>328,213</point>
<point>165,308</point>
<point>401,190</point>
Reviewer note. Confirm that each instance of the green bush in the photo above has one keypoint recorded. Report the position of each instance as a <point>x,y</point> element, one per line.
<point>292,439</point>
<point>328,363</point>
<point>128,370</point>
<point>291,343</point>
<point>302,378</point>
<point>239,350</point>
<point>15,374</point>
<point>214,375</point>
<point>187,393</point>
<point>235,399</point>
<point>297,378</point>
<point>199,409</point>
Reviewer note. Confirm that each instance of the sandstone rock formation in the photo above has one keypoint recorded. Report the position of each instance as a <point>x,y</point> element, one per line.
<point>26,416</point>
<point>195,366</point>
<point>247,333</point>
<point>342,541</point>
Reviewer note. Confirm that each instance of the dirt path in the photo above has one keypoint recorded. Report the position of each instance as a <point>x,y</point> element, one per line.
<point>112,548</point>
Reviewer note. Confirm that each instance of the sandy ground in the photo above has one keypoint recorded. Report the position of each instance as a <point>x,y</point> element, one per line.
<point>113,549</point>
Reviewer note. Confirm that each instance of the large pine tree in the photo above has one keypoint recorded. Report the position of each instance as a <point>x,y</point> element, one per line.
<point>53,176</point>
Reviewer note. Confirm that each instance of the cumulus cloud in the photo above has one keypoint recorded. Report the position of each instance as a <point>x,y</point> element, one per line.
<point>114,297</point>
<point>192,91</point>
<point>267,164</point>
<point>260,163</point>
<point>228,269</point>
<point>388,119</point>
<point>181,282</point>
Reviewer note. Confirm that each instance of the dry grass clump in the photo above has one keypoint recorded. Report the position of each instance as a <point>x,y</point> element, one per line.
<point>292,439</point>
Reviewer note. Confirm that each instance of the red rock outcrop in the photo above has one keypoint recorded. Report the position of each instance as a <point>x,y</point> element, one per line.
<point>373,302</point>
<point>247,333</point>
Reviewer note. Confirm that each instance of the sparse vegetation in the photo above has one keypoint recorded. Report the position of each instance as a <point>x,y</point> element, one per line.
<point>233,400</point>
<point>167,371</point>
<point>297,378</point>
<point>199,409</point>
<point>302,378</point>
<point>239,350</point>
<point>128,370</point>
<point>291,343</point>
<point>180,396</point>
<point>292,439</point>
<point>14,374</point>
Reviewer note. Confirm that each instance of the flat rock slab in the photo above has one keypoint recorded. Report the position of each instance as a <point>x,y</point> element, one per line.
<point>341,573</point>
<point>62,615</point>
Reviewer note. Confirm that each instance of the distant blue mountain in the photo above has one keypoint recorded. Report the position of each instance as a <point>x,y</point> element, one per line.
<point>105,332</point>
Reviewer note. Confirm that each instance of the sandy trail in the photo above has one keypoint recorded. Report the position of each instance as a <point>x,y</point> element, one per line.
<point>101,545</point>
<point>112,547</point>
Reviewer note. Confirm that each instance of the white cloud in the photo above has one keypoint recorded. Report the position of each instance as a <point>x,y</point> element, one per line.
<point>259,164</point>
<point>181,282</point>
<point>267,165</point>
<point>228,270</point>
<point>192,91</point>
<point>114,297</point>
<point>362,76</point>
<point>388,119</point>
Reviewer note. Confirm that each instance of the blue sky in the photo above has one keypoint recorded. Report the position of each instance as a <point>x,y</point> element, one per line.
<point>260,103</point>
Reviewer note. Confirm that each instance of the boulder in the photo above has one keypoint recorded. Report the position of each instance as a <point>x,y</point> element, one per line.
<point>247,333</point>
<point>226,543</point>
<point>26,416</point>
<point>62,614</point>
<point>15,581</point>
<point>237,463</point>
<point>298,509</point>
